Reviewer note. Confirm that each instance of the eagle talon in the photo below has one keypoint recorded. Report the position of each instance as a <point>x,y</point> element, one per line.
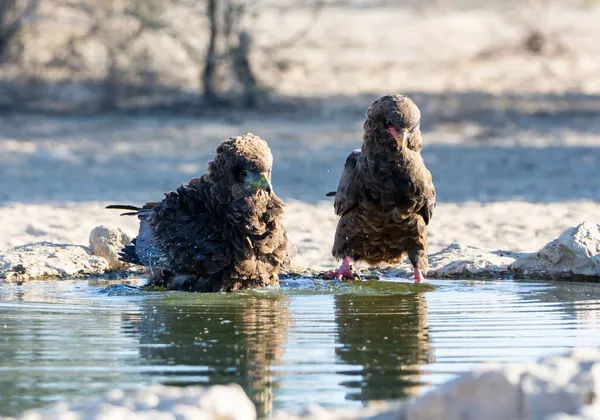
<point>419,278</point>
<point>343,273</point>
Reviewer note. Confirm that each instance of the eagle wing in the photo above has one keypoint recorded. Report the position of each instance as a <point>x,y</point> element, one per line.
<point>188,231</point>
<point>429,199</point>
<point>346,196</point>
<point>414,191</point>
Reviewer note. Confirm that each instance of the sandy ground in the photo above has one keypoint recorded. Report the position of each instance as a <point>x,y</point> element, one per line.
<point>512,140</point>
<point>54,186</point>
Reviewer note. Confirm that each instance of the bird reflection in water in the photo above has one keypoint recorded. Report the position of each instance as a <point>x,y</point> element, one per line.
<point>387,335</point>
<point>236,340</point>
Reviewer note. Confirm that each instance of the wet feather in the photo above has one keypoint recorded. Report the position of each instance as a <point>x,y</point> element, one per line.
<point>215,233</point>
<point>386,197</point>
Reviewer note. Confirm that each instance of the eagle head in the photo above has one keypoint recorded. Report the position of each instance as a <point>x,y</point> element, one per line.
<point>393,118</point>
<point>243,164</point>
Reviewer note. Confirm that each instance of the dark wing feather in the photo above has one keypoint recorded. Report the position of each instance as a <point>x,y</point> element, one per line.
<point>346,195</point>
<point>187,230</point>
<point>141,212</point>
<point>427,210</point>
<point>141,250</point>
<point>411,190</point>
<point>123,207</point>
<point>424,195</point>
<point>129,255</point>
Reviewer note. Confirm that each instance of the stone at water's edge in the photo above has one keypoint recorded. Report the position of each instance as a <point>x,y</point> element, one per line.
<point>47,260</point>
<point>465,261</point>
<point>576,253</point>
<point>157,402</point>
<point>553,388</point>
<point>553,385</point>
<point>107,243</point>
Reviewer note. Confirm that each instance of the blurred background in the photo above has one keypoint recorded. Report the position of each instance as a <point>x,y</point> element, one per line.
<point>118,101</point>
<point>122,100</point>
<point>85,57</point>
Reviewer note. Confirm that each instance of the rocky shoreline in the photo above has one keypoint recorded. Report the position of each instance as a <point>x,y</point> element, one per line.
<point>565,387</point>
<point>574,255</point>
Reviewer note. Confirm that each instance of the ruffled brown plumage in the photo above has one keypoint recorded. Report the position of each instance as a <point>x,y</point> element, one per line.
<point>220,232</point>
<point>385,197</point>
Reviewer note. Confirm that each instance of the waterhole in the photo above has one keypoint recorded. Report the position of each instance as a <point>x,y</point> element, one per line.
<point>335,344</point>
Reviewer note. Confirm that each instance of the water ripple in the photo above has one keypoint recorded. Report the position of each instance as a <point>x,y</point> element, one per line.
<point>315,341</point>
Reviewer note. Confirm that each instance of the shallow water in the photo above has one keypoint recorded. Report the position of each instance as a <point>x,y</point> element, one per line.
<point>308,342</point>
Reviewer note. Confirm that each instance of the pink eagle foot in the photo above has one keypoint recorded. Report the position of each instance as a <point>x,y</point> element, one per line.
<point>344,272</point>
<point>419,278</point>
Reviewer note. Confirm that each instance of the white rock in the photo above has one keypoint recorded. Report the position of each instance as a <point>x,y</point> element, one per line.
<point>146,399</point>
<point>468,261</point>
<point>463,261</point>
<point>157,402</point>
<point>183,411</point>
<point>575,253</point>
<point>587,413</point>
<point>107,242</point>
<point>553,385</point>
<point>48,260</point>
<point>218,401</point>
<point>484,394</point>
<point>553,388</point>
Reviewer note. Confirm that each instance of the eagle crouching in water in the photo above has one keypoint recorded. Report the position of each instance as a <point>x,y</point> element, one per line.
<point>385,197</point>
<point>221,232</point>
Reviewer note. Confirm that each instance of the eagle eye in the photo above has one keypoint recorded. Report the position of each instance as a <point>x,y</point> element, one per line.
<point>243,174</point>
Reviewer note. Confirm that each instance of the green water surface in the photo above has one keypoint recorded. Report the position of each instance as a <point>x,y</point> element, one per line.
<point>331,343</point>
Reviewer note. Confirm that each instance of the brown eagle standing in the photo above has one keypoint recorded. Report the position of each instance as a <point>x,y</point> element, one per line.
<point>219,232</point>
<point>386,196</point>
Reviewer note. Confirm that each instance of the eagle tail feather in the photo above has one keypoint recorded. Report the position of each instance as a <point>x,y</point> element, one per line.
<point>133,210</point>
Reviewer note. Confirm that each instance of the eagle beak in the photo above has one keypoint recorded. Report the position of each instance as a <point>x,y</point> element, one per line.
<point>264,183</point>
<point>399,136</point>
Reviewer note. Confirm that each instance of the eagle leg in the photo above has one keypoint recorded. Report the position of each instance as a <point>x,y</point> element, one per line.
<point>344,272</point>
<point>419,278</point>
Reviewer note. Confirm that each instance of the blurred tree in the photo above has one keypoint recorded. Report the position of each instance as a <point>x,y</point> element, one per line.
<point>113,27</point>
<point>536,20</point>
<point>13,14</point>
<point>228,63</point>
<point>113,48</point>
